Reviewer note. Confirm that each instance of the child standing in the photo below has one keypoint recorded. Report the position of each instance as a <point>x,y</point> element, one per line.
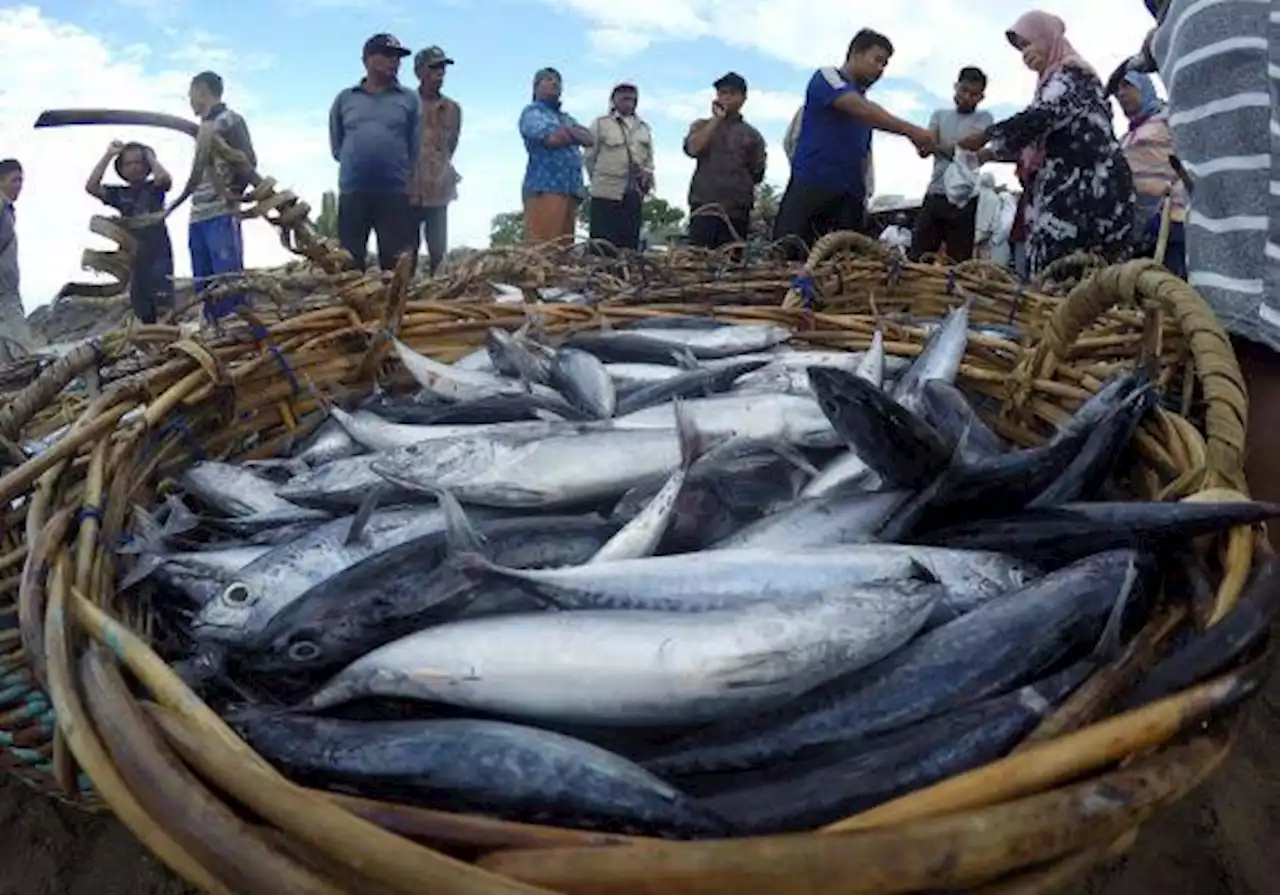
<point>140,201</point>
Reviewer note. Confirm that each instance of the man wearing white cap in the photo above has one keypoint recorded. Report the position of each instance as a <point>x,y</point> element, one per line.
<point>620,165</point>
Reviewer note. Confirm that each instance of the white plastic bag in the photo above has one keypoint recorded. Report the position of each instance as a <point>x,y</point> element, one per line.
<point>960,180</point>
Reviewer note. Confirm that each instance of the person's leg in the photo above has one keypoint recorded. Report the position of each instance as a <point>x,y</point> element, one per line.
<point>201,258</point>
<point>354,225</point>
<point>568,215</point>
<point>795,221</point>
<point>226,256</point>
<point>16,338</point>
<point>544,215</point>
<point>436,227</point>
<point>927,238</point>
<point>703,231</point>
<point>142,296</point>
<point>961,225</point>
<point>395,226</point>
<point>630,221</point>
<point>605,214</point>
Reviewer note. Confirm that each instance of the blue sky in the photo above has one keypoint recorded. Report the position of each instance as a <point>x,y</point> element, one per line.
<point>284,60</point>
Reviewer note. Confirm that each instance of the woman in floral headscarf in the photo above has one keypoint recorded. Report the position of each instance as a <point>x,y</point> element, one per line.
<point>1081,195</point>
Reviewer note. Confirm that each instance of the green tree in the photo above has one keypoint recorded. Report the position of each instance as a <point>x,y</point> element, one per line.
<point>768,197</point>
<point>327,221</point>
<point>506,229</point>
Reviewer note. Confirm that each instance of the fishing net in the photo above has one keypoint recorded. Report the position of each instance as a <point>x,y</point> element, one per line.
<point>90,713</point>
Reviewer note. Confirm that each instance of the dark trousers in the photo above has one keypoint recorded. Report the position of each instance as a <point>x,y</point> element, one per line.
<point>809,212</point>
<point>151,286</point>
<point>941,223</point>
<point>617,221</point>
<point>710,231</point>
<point>431,226</point>
<point>386,214</point>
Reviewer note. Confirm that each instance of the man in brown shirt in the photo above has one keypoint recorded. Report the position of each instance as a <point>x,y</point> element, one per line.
<point>434,183</point>
<point>731,162</point>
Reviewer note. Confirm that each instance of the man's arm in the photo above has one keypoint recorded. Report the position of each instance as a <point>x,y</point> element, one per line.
<point>864,110</point>
<point>414,136</point>
<point>336,130</point>
<point>593,150</point>
<point>163,179</point>
<point>759,159</point>
<point>456,133</point>
<point>699,137</point>
<point>93,186</point>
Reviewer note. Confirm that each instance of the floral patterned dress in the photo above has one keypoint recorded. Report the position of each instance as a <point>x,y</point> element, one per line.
<point>1082,196</point>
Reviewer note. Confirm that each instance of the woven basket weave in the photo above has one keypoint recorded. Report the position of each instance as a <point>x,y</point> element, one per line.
<point>129,735</point>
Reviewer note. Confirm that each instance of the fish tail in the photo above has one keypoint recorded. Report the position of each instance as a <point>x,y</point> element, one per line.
<point>1109,642</point>
<point>692,444</point>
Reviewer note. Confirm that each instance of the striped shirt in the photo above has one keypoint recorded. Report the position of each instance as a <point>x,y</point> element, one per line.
<point>1219,60</point>
<point>1147,148</point>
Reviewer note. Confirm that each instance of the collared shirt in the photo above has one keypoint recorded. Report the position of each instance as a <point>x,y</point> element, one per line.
<point>374,137</point>
<point>549,170</point>
<point>8,248</point>
<point>729,166</point>
<point>832,147</point>
<point>623,148</point>
<point>208,200</point>
<point>434,181</point>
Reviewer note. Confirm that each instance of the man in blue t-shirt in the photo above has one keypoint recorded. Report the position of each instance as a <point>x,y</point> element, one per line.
<point>827,190</point>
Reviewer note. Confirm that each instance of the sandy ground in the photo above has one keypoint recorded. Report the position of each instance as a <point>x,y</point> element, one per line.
<point>1216,842</point>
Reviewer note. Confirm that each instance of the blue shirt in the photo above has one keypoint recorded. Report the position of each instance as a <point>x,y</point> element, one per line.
<point>549,170</point>
<point>833,147</point>
<point>374,138</point>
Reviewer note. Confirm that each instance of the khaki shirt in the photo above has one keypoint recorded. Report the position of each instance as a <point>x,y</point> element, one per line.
<point>433,180</point>
<point>622,149</point>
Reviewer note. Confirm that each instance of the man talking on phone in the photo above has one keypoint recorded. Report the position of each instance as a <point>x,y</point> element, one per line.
<point>731,160</point>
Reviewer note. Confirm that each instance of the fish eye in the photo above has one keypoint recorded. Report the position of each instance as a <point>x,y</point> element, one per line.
<point>237,594</point>
<point>303,651</point>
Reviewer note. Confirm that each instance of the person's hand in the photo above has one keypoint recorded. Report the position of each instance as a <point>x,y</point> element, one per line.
<point>717,110</point>
<point>985,155</point>
<point>114,148</point>
<point>924,141</point>
<point>972,142</point>
<point>559,137</point>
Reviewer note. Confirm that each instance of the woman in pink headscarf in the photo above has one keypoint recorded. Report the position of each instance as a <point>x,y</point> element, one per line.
<point>1081,194</point>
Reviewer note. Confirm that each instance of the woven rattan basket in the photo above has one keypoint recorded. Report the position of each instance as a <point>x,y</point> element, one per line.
<point>130,736</point>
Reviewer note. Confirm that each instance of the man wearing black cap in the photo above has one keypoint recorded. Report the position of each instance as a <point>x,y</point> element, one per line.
<point>731,162</point>
<point>434,182</point>
<point>374,136</point>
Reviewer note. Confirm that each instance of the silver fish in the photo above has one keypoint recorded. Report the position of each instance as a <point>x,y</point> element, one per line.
<point>265,587</point>
<point>376,434</point>
<point>584,382</point>
<point>235,490</point>
<point>833,518</point>
<point>715,579</point>
<point>637,668</point>
<point>722,341</point>
<point>634,374</point>
<point>458,384</point>
<point>791,419</point>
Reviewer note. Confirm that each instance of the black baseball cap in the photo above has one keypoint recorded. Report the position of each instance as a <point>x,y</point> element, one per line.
<point>384,45</point>
<point>731,81</point>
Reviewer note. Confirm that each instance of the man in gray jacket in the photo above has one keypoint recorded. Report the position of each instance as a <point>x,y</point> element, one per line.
<point>15,334</point>
<point>374,134</point>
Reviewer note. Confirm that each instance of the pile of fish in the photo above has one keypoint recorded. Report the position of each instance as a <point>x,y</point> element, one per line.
<point>678,579</point>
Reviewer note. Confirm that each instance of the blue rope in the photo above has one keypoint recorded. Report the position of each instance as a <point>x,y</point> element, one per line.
<point>808,292</point>
<point>178,424</point>
<point>260,333</point>
<point>86,513</point>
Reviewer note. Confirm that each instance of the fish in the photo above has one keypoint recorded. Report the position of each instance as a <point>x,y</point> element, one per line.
<point>832,518</point>
<point>343,485</point>
<point>493,409</point>
<point>637,668</point>
<point>788,372</point>
<point>702,382</point>
<point>488,767</point>
<point>518,358</point>
<point>945,408</point>
<point>941,358</point>
<point>585,382</point>
<point>557,471</point>
<point>643,532</point>
<point>456,384</point>
<point>669,345</point>
<point>376,434</point>
<point>852,777</point>
<point>790,419</point>
<point>266,587</point>
<point>395,593</point>
<point>636,375</point>
<point>1061,534</point>
<point>896,443</point>
<point>477,361</point>
<point>711,580</point>
<point>1011,639</point>
<point>241,493</point>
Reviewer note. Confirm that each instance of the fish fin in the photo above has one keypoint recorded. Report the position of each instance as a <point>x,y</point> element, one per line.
<point>685,358</point>
<point>1109,642</point>
<point>179,520</point>
<point>794,457</point>
<point>760,669</point>
<point>148,534</point>
<point>460,535</point>
<point>692,444</point>
<point>360,520</point>
<point>144,568</point>
<point>921,572</point>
